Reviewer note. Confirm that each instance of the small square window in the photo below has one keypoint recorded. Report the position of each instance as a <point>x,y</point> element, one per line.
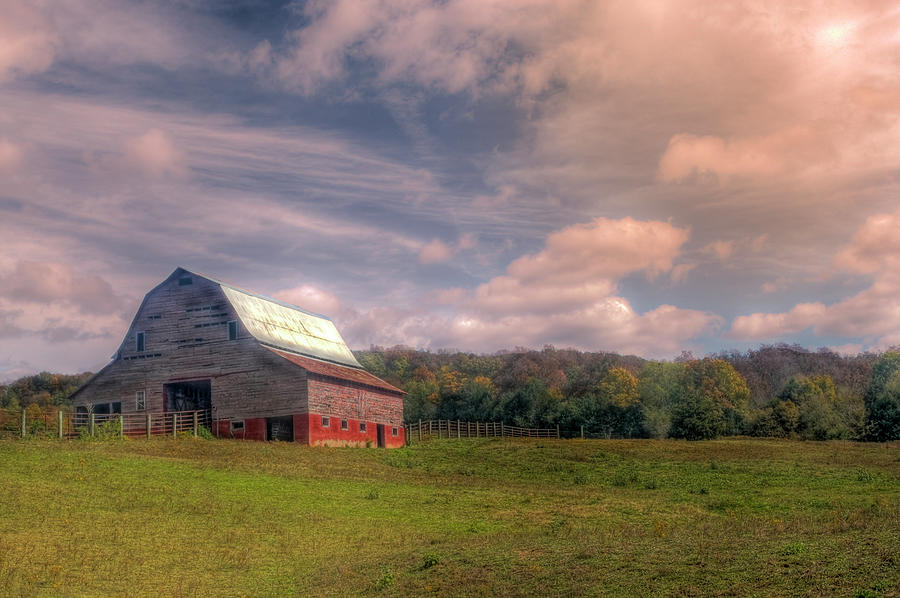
<point>140,341</point>
<point>140,400</point>
<point>345,425</point>
<point>362,426</point>
<point>237,424</point>
<point>232,330</point>
<point>326,421</point>
<point>395,431</point>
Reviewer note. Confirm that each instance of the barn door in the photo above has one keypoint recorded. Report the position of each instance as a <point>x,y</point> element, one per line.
<point>380,430</point>
<point>280,428</point>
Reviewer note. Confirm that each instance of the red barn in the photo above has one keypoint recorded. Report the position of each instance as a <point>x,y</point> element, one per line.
<point>263,369</point>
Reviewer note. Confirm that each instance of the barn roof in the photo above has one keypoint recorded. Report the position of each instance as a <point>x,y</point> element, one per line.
<point>285,326</point>
<point>333,370</point>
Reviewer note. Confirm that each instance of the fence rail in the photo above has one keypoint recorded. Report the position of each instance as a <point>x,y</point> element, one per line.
<point>451,428</point>
<point>68,425</point>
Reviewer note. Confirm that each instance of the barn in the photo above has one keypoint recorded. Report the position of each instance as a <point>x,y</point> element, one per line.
<point>257,368</point>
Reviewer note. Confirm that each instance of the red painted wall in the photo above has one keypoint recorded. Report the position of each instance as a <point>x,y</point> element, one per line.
<point>301,428</point>
<point>308,429</point>
<point>333,435</point>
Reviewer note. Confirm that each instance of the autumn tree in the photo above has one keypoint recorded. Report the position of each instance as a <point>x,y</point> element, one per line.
<point>712,400</point>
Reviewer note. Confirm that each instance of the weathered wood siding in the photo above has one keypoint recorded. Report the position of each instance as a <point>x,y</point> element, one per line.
<point>186,338</point>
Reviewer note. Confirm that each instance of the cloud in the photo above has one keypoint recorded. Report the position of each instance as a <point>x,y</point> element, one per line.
<point>35,34</point>
<point>873,313</point>
<point>435,252</point>
<point>310,298</point>
<point>875,247</point>
<point>602,249</point>
<point>54,282</point>
<point>721,249</point>
<point>762,326</point>
<point>156,154</point>
<point>11,156</point>
<point>689,156</point>
<point>27,44</point>
<point>564,294</point>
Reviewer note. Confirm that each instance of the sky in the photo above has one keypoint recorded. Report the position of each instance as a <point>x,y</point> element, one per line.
<point>644,176</point>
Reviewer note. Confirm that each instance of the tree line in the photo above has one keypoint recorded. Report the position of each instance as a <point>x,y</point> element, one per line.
<point>774,391</point>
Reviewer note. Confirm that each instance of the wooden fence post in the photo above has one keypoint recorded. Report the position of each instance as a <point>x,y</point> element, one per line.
<point>93,425</point>
<point>149,424</point>
<point>174,425</point>
<point>458,430</point>
<point>23,422</point>
<point>420,430</point>
<point>121,426</point>
<point>582,432</point>
<point>557,431</point>
<point>196,422</point>
<point>59,417</point>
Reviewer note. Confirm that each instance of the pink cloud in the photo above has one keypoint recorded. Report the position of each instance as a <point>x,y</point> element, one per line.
<point>311,298</point>
<point>11,156</point>
<point>873,313</point>
<point>156,154</point>
<point>27,43</point>
<point>761,325</point>
<point>53,282</point>
<point>435,252</point>
<point>721,249</point>
<point>602,249</point>
<point>564,294</point>
<point>874,247</point>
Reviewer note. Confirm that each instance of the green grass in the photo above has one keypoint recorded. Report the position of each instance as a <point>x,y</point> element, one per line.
<point>479,517</point>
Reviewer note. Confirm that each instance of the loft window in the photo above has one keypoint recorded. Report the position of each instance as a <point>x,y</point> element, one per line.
<point>185,280</point>
<point>326,421</point>
<point>232,330</point>
<point>362,426</point>
<point>395,431</point>
<point>345,425</point>
<point>139,341</point>
<point>140,400</point>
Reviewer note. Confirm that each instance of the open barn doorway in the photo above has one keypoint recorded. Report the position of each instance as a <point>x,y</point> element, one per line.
<point>195,395</point>
<point>280,428</point>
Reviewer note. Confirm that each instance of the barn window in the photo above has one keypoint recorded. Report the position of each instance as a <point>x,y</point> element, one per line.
<point>139,341</point>
<point>237,424</point>
<point>232,330</point>
<point>395,431</point>
<point>326,421</point>
<point>140,400</point>
<point>345,425</point>
<point>362,426</point>
<point>185,280</point>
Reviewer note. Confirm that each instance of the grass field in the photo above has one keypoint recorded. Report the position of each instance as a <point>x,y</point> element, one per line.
<point>480,517</point>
